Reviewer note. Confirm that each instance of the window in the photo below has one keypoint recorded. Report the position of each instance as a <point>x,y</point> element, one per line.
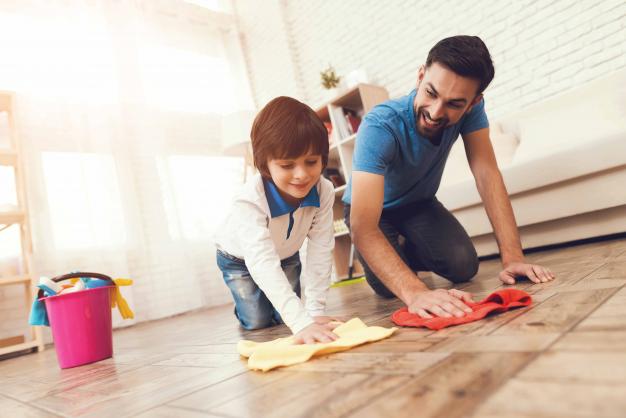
<point>200,191</point>
<point>84,200</point>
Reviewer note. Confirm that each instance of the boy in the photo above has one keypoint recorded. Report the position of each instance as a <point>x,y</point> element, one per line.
<point>258,244</point>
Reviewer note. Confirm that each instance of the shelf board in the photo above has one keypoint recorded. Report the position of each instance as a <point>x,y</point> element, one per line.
<point>14,280</point>
<point>11,217</point>
<point>18,347</point>
<point>343,141</point>
<point>8,157</point>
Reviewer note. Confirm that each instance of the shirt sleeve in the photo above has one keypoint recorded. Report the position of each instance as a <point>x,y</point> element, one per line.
<point>318,266</point>
<point>263,263</point>
<point>375,147</point>
<point>476,119</point>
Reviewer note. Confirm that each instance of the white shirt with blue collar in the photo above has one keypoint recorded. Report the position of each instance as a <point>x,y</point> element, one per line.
<point>263,229</point>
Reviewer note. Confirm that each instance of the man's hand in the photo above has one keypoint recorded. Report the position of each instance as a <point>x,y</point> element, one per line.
<point>316,333</point>
<point>534,272</point>
<point>441,302</point>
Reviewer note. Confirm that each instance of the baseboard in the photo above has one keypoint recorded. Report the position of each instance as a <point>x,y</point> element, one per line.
<point>604,223</point>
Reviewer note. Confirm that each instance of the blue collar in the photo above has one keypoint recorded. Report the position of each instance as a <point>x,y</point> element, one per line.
<point>278,205</point>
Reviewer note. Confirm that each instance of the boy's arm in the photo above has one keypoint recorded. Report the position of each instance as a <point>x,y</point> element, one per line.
<point>263,263</point>
<point>321,240</point>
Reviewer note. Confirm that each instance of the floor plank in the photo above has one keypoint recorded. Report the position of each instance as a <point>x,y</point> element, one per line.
<point>450,389</point>
<point>20,409</point>
<point>556,399</point>
<point>564,356</point>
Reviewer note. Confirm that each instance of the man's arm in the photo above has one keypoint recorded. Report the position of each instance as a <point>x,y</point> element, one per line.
<point>367,205</point>
<point>497,204</point>
<point>366,209</point>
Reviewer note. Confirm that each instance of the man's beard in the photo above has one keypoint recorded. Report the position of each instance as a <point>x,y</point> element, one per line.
<point>433,133</point>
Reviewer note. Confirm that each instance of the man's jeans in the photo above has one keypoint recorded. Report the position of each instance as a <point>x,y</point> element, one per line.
<point>433,241</point>
<point>252,307</point>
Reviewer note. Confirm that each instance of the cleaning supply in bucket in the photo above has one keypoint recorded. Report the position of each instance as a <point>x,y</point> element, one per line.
<point>80,315</point>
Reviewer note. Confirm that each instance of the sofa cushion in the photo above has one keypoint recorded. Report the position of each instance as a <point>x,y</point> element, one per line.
<point>457,168</point>
<point>595,110</point>
<point>520,176</point>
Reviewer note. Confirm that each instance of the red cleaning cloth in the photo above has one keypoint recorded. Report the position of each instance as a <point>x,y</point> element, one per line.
<point>497,302</point>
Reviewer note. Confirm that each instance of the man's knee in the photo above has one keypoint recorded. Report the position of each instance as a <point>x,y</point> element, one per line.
<point>461,265</point>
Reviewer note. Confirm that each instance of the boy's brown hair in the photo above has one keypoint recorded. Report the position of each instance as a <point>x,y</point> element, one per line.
<point>287,129</point>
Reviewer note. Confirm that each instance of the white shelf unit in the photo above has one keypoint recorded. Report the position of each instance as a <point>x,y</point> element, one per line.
<point>20,274</point>
<point>357,102</point>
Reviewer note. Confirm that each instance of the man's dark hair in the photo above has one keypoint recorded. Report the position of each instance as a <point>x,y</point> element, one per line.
<point>467,56</point>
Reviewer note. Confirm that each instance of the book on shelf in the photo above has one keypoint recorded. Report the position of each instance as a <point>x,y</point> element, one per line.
<point>353,121</point>
<point>329,129</point>
<point>334,175</point>
<point>340,227</point>
<point>345,121</point>
<point>339,122</point>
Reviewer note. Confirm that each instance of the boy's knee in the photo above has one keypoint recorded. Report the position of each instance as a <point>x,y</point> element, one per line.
<point>254,315</point>
<point>256,322</point>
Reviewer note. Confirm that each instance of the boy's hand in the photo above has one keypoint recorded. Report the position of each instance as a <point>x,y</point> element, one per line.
<point>441,302</point>
<point>315,333</point>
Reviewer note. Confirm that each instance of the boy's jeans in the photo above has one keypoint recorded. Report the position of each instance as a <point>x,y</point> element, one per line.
<point>252,307</point>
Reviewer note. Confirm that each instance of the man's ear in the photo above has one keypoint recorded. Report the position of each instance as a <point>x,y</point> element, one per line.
<point>420,74</point>
<point>474,102</point>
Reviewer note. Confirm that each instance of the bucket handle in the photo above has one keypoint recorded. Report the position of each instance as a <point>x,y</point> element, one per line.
<point>77,274</point>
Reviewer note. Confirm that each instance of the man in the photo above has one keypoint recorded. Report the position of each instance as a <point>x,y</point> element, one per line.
<point>400,154</point>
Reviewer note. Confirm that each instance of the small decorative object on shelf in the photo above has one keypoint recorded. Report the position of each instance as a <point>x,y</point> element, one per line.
<point>330,79</point>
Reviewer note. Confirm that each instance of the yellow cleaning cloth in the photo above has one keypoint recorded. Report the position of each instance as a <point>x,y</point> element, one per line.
<point>283,351</point>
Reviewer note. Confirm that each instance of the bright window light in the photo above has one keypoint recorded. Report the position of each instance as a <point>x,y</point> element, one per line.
<point>202,188</point>
<point>84,200</point>
<point>185,81</point>
<point>74,60</point>
<point>8,194</point>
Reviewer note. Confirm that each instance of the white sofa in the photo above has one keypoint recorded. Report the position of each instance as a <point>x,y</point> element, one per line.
<point>564,164</point>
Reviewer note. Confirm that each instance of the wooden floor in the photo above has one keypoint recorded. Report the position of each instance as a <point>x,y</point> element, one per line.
<point>563,357</point>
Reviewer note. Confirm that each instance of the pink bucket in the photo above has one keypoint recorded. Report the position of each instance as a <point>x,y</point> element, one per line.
<point>81,323</point>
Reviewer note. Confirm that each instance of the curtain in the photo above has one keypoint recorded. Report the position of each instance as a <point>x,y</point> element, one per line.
<point>119,112</point>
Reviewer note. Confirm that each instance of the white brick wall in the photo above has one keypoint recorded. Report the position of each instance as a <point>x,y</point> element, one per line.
<point>540,48</point>
<point>267,50</point>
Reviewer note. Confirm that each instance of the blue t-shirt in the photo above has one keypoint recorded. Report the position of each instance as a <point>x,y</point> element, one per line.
<point>388,143</point>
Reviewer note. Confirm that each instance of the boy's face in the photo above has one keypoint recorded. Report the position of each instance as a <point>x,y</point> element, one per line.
<point>443,97</point>
<point>294,178</point>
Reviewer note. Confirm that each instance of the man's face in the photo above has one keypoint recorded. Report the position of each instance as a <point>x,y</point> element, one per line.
<point>443,97</point>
